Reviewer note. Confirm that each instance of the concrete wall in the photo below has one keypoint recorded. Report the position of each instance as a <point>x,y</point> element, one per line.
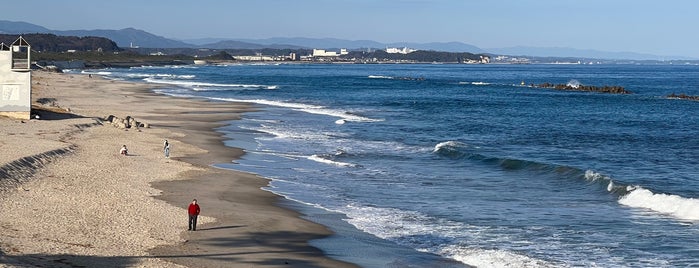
<point>15,89</point>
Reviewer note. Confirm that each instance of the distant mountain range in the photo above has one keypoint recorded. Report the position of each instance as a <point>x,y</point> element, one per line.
<point>133,37</point>
<point>123,38</point>
<point>328,43</point>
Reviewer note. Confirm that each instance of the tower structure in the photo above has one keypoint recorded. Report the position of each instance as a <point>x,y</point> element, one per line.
<point>15,79</point>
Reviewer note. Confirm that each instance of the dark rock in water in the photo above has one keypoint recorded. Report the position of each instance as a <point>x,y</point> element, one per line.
<point>603,89</point>
<point>683,97</point>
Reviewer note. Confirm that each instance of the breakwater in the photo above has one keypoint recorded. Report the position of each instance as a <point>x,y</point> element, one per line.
<point>578,87</point>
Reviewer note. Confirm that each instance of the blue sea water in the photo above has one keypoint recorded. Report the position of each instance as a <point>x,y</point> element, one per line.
<point>469,162</point>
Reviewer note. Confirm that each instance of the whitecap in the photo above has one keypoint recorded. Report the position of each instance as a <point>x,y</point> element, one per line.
<point>492,258</point>
<point>474,83</point>
<point>308,108</point>
<point>320,159</point>
<point>448,145</point>
<point>380,77</point>
<point>673,205</point>
<point>204,86</point>
<point>480,83</point>
<point>400,225</point>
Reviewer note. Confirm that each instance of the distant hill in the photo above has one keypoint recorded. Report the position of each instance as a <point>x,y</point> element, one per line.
<point>130,36</point>
<point>123,38</point>
<point>17,27</point>
<point>55,43</point>
<point>327,43</point>
<point>322,43</point>
<point>231,44</point>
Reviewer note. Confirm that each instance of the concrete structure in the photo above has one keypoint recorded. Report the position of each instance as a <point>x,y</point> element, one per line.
<point>15,80</point>
<point>323,53</point>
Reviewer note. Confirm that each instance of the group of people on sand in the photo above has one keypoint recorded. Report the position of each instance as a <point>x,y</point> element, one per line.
<point>166,149</point>
<point>193,209</point>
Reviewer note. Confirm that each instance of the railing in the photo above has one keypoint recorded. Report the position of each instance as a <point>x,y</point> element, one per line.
<point>20,64</point>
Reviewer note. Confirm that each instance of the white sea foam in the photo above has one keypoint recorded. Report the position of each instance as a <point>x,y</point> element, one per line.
<point>380,77</point>
<point>573,83</point>
<point>492,258</point>
<point>330,162</point>
<point>278,133</point>
<point>402,226</point>
<point>476,83</point>
<point>105,73</point>
<point>592,175</point>
<point>308,108</point>
<point>144,75</point>
<point>287,133</point>
<point>672,205</point>
<point>203,86</point>
<point>448,145</point>
<point>165,67</point>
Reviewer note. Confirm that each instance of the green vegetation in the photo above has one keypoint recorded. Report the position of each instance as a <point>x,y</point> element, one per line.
<point>55,43</point>
<point>93,59</point>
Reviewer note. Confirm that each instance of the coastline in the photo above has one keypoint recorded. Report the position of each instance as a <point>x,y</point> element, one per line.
<point>131,209</point>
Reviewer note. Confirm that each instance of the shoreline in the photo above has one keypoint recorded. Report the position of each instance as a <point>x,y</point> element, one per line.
<point>241,224</point>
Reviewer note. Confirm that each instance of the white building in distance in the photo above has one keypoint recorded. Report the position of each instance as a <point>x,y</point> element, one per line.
<point>323,53</point>
<point>404,50</point>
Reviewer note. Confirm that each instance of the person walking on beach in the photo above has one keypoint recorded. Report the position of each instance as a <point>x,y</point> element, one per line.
<point>166,149</point>
<point>123,150</point>
<point>193,214</point>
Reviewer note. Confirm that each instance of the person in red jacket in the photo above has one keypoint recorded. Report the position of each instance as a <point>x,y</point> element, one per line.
<point>193,213</point>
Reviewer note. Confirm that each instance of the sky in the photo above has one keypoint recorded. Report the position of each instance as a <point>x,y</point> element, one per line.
<point>666,28</point>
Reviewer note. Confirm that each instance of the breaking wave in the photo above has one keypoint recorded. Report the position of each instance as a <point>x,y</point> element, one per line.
<point>204,86</point>
<point>308,108</point>
<point>396,77</point>
<point>573,83</point>
<point>672,205</point>
<point>380,77</point>
<point>678,207</point>
<point>434,235</point>
<point>474,83</point>
<point>325,159</point>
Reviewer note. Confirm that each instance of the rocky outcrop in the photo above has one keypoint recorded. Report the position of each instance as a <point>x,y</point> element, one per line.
<point>683,97</point>
<point>602,89</point>
<point>127,122</point>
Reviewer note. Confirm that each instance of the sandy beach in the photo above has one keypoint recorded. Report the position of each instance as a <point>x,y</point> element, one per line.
<point>69,199</point>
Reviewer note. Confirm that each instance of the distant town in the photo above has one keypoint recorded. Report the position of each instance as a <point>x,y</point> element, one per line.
<point>387,55</point>
<point>72,52</point>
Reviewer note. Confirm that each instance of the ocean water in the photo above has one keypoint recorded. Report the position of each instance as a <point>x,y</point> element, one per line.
<point>441,165</point>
